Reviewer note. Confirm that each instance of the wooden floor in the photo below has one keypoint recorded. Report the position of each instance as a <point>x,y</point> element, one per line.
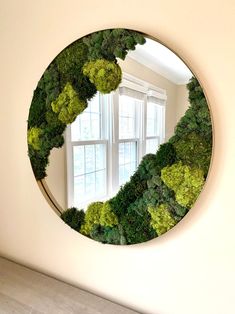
<point>23,291</point>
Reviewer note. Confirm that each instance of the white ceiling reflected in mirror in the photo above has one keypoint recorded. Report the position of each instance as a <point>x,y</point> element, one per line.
<point>162,60</point>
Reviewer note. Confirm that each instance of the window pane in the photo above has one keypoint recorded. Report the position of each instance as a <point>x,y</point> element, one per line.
<point>160,110</point>
<point>151,129</point>
<point>155,114</point>
<point>127,117</point>
<point>127,161</point>
<point>152,145</point>
<point>100,182</point>
<point>84,126</point>
<point>127,153</point>
<point>90,185</point>
<point>100,155</point>
<point>122,178</point>
<point>133,152</point>
<point>87,126</point>
<point>151,120</point>
<point>95,125</point>
<point>89,158</point>
<point>121,154</point>
<point>78,160</point>
<point>132,167</point>
<point>89,172</point>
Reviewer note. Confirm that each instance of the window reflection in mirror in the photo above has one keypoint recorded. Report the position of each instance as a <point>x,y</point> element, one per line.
<point>105,144</point>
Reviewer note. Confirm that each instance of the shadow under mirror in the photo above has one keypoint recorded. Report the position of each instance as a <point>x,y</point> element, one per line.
<point>120,136</point>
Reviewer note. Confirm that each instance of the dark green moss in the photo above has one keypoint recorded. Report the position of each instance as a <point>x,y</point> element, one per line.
<point>112,43</point>
<point>37,111</point>
<point>70,63</point>
<point>195,151</point>
<point>136,224</point>
<point>73,217</point>
<point>110,235</point>
<point>166,155</point>
<point>38,162</point>
<point>135,188</point>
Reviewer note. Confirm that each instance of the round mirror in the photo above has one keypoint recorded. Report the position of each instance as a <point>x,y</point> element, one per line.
<point>120,137</point>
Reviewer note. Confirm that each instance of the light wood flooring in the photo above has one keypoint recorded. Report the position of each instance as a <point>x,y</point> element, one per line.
<point>23,291</point>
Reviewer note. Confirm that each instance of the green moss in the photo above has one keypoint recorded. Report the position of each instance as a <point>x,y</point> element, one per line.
<point>39,162</point>
<point>185,181</point>
<point>34,137</point>
<point>92,217</point>
<point>110,235</point>
<point>50,84</point>
<point>136,223</point>
<point>132,190</point>
<point>161,219</point>
<point>105,75</point>
<point>173,175</point>
<point>148,167</point>
<point>73,217</point>
<point>195,151</point>
<point>112,43</point>
<point>98,213</point>
<point>49,138</point>
<point>37,109</point>
<point>42,116</point>
<point>158,192</point>
<point>97,233</point>
<point>166,155</point>
<point>68,105</point>
<point>69,63</point>
<point>72,58</point>
<point>107,217</point>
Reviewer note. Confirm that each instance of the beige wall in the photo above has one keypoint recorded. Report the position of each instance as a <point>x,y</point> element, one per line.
<point>182,103</point>
<point>191,268</point>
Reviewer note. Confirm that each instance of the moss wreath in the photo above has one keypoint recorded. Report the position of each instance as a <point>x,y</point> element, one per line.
<point>165,185</point>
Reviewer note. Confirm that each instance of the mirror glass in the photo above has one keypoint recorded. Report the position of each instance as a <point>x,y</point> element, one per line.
<point>120,136</point>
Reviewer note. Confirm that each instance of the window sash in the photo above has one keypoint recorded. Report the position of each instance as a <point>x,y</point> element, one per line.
<point>72,176</point>
<point>131,163</point>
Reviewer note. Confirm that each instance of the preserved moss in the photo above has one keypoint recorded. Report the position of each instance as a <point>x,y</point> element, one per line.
<point>105,75</point>
<point>161,219</point>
